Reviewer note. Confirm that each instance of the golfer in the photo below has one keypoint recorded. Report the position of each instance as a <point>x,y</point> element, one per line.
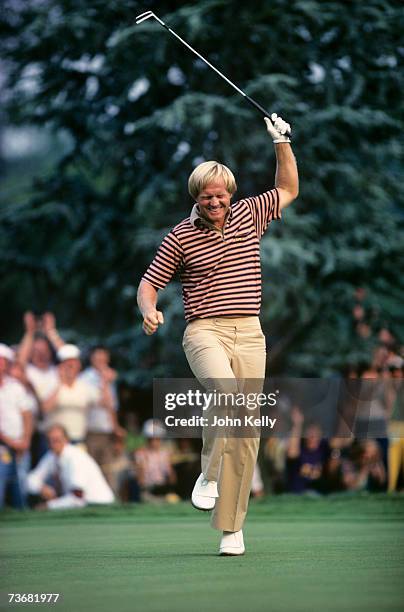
<point>216,251</point>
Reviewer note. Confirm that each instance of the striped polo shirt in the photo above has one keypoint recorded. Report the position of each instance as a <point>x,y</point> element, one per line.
<point>220,270</point>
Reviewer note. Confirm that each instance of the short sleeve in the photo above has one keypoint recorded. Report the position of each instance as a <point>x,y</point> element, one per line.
<point>30,404</point>
<point>168,259</point>
<point>264,209</point>
<point>22,399</point>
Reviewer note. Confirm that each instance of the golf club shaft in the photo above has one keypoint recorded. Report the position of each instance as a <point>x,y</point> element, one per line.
<point>240,91</point>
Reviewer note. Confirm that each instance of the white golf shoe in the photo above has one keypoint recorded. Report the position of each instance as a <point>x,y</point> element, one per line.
<point>232,544</point>
<point>204,494</point>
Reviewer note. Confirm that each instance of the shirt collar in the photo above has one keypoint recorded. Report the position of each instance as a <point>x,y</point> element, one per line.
<point>198,221</point>
<point>66,452</point>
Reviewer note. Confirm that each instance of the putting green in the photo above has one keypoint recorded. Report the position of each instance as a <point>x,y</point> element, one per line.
<point>339,553</point>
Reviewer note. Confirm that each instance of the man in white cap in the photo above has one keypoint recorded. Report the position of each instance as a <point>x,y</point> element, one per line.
<point>67,477</point>
<point>15,431</point>
<point>72,399</point>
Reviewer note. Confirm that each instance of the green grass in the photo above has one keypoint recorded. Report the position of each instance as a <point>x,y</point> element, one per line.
<point>340,553</point>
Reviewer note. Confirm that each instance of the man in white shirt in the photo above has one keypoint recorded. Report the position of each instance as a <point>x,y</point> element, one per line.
<point>17,372</point>
<point>15,432</point>
<point>71,401</point>
<point>76,478</point>
<point>102,424</point>
<point>35,353</point>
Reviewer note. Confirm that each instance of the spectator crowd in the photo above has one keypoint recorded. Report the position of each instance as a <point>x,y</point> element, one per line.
<point>62,444</point>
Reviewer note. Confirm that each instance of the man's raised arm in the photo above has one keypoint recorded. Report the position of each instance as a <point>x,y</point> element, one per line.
<point>286,178</point>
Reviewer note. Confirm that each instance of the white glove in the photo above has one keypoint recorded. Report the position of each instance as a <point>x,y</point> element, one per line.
<point>278,128</point>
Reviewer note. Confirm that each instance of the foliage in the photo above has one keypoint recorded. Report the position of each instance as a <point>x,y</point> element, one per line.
<point>140,111</point>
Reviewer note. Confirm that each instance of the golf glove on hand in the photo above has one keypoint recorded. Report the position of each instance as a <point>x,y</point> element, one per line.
<point>278,129</point>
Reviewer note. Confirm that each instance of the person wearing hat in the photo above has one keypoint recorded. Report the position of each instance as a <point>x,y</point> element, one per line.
<point>15,432</point>
<point>73,397</point>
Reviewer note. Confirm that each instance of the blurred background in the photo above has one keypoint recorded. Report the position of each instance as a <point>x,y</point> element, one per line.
<point>102,122</point>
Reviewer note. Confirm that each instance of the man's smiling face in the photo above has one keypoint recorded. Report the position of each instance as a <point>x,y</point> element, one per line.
<point>214,202</point>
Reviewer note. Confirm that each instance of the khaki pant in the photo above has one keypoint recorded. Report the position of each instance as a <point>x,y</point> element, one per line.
<point>228,355</point>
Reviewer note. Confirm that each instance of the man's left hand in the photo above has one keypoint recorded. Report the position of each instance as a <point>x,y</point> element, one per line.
<point>278,129</point>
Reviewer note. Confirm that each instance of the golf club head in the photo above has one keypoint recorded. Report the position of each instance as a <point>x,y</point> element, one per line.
<point>144,16</point>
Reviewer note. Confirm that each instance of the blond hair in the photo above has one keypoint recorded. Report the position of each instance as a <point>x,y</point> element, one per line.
<point>206,173</point>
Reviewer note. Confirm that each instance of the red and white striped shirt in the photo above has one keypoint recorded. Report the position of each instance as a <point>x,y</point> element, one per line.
<point>220,270</point>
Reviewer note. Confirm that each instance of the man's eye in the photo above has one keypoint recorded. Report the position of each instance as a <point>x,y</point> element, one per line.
<point>221,195</point>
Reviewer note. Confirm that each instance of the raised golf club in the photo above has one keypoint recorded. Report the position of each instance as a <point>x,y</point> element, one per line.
<point>149,14</point>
